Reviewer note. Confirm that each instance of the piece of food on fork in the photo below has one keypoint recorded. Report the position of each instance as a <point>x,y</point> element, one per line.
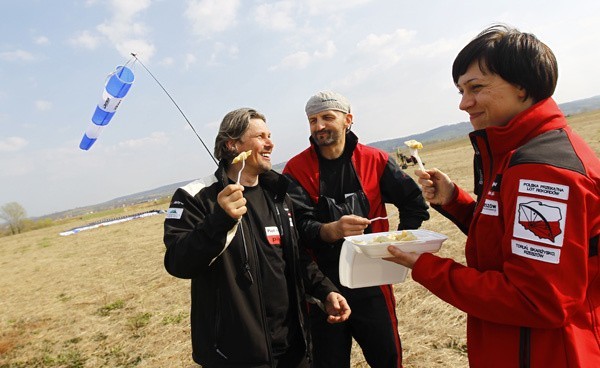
<point>241,157</point>
<point>414,144</point>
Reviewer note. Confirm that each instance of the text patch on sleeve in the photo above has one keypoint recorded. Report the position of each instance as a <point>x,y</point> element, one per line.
<point>537,252</point>
<point>545,189</point>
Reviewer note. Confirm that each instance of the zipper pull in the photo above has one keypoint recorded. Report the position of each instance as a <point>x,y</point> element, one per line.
<point>247,268</point>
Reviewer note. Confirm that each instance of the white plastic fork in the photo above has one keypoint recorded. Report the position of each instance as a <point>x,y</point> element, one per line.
<point>383,217</point>
<point>415,153</point>
<point>240,172</point>
<point>414,147</point>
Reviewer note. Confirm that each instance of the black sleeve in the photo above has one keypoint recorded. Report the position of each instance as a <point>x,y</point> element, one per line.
<point>401,190</point>
<point>304,212</point>
<point>194,234</point>
<point>315,282</point>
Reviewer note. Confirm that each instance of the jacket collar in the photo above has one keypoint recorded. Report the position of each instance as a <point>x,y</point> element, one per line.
<point>539,118</point>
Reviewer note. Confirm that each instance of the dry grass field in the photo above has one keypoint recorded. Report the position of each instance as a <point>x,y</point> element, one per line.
<point>101,298</point>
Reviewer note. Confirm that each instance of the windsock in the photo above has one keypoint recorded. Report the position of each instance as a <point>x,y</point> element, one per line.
<point>115,89</point>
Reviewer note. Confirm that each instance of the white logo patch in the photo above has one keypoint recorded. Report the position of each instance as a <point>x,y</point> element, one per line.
<point>542,188</point>
<point>174,213</point>
<point>537,252</point>
<point>490,208</point>
<point>540,220</point>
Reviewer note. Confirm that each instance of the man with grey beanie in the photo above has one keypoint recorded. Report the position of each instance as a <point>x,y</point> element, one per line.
<point>338,184</point>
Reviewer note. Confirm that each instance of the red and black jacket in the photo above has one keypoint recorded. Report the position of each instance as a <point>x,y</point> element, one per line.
<point>532,286</point>
<point>380,180</point>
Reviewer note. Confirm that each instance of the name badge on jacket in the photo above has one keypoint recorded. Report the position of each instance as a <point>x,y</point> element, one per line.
<point>273,236</point>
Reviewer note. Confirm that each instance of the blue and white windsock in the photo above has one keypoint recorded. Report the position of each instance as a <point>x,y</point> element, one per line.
<point>115,89</point>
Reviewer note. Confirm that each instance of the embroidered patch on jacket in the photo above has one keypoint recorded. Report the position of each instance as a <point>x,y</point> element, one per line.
<point>495,186</point>
<point>537,252</point>
<point>540,220</point>
<point>545,189</point>
<point>273,236</point>
<point>289,214</point>
<point>174,213</point>
<point>490,208</point>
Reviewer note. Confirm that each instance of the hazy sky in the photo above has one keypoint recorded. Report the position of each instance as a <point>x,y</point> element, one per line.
<point>391,58</point>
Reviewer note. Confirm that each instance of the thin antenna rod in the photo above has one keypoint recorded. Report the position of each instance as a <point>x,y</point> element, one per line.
<point>178,108</point>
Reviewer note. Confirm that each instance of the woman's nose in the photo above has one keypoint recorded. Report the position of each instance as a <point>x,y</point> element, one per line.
<point>466,101</point>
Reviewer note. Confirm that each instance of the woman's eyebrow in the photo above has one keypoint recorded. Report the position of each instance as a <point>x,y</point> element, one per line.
<point>468,81</point>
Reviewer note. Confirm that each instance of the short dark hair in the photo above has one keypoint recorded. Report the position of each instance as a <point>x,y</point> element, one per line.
<point>518,58</point>
<point>233,126</point>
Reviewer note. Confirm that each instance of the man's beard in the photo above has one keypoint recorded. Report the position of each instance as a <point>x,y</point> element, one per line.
<point>327,139</point>
<point>263,167</point>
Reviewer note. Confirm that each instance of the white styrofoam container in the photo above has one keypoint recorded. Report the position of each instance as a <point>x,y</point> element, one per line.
<point>358,270</point>
<point>427,241</point>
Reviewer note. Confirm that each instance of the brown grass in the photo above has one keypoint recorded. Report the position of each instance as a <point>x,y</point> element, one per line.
<point>101,298</point>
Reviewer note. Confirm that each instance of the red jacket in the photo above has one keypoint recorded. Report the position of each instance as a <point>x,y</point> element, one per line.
<point>532,286</point>
<point>380,179</point>
<point>369,163</point>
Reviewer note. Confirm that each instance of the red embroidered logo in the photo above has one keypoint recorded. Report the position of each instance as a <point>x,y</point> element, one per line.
<point>540,219</point>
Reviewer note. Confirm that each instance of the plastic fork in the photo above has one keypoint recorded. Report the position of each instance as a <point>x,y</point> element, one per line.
<point>383,217</point>
<point>415,154</point>
<point>240,172</point>
<point>414,147</point>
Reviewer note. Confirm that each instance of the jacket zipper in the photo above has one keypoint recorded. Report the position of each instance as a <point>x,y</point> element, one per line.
<point>217,325</point>
<point>525,332</point>
<point>293,252</point>
<point>217,313</point>
<point>260,295</point>
<point>247,260</point>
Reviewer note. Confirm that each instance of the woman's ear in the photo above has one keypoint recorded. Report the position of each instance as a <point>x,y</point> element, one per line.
<point>522,93</point>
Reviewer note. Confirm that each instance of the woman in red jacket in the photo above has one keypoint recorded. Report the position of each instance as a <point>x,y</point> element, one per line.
<point>531,287</point>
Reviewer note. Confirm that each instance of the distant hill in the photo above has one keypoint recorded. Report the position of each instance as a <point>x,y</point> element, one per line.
<point>453,131</point>
<point>580,106</point>
<point>442,133</point>
<point>445,132</point>
<point>141,197</point>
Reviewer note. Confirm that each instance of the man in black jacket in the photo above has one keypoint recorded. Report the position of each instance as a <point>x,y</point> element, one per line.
<point>234,236</point>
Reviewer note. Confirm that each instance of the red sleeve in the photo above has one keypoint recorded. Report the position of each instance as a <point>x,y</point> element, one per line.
<point>460,209</point>
<point>525,291</point>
